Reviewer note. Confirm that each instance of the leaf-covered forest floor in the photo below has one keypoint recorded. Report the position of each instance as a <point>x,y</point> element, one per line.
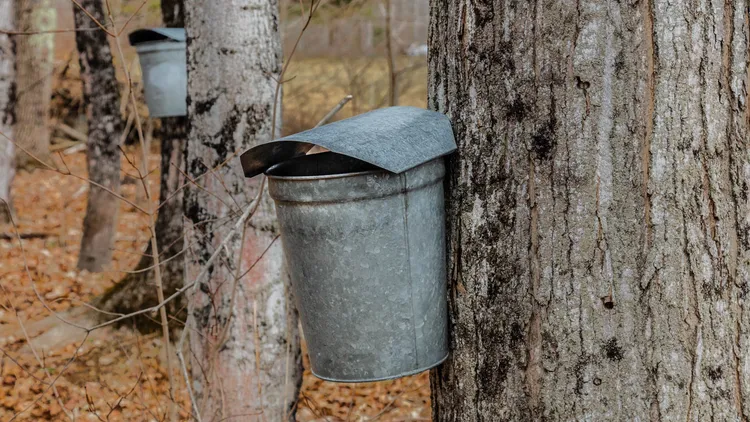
<point>118,374</point>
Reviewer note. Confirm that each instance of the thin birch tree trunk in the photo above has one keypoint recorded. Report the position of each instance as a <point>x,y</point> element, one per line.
<point>7,97</point>
<point>35,63</point>
<point>245,344</point>
<point>102,100</point>
<point>598,209</point>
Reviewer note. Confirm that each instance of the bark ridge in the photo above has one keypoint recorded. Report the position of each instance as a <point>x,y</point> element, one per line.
<point>598,209</point>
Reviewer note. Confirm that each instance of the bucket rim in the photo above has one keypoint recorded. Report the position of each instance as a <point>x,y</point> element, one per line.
<point>385,378</point>
<point>322,176</point>
<point>158,46</point>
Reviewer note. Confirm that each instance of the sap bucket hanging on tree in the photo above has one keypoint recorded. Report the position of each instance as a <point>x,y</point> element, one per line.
<point>161,52</point>
<point>363,233</point>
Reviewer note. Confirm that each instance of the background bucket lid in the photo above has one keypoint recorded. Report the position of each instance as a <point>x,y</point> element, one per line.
<point>157,34</point>
<point>394,138</point>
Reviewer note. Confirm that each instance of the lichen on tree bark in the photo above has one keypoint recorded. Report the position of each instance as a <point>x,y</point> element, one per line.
<point>101,95</point>
<point>253,363</point>
<point>598,209</point>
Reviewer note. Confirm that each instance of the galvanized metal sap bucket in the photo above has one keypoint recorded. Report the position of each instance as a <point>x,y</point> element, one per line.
<point>363,234</point>
<point>161,52</point>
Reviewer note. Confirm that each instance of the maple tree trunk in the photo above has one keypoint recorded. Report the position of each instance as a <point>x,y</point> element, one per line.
<point>254,364</point>
<point>7,97</point>
<point>35,71</point>
<point>137,290</point>
<point>598,209</point>
<point>102,99</point>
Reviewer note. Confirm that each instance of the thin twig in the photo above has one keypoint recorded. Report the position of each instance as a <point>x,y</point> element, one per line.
<point>62,127</point>
<point>44,393</point>
<point>317,148</point>
<point>50,31</point>
<point>99,24</point>
<point>223,184</point>
<point>176,254</point>
<point>388,407</point>
<point>127,22</point>
<point>223,337</point>
<point>69,173</point>
<point>119,400</point>
<point>180,345</point>
<point>191,180</point>
<point>256,339</point>
<point>195,180</point>
<point>313,6</point>
<point>27,371</point>
<point>31,278</point>
<point>151,385</point>
<point>41,364</point>
<point>240,222</point>
<point>152,219</point>
<point>392,74</point>
<point>128,126</point>
<point>334,110</point>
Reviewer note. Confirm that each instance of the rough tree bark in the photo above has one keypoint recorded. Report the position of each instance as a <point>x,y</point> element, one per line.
<point>598,209</point>
<point>102,98</point>
<point>254,364</point>
<point>136,290</point>
<point>35,63</point>
<point>7,96</point>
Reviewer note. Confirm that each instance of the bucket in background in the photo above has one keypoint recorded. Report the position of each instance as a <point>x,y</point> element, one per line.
<point>162,55</point>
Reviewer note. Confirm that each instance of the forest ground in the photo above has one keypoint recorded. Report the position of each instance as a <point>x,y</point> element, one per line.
<point>119,374</point>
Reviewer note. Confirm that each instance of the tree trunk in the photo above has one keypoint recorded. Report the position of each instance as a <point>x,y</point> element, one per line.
<point>102,99</point>
<point>173,13</point>
<point>598,209</point>
<point>7,97</point>
<point>254,364</point>
<point>35,63</point>
<point>137,290</point>
<point>389,56</point>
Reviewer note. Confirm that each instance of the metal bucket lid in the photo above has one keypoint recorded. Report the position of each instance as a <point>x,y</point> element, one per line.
<point>156,34</point>
<point>394,138</point>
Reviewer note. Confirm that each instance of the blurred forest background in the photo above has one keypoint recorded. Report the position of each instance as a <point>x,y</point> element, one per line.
<point>119,373</point>
<point>343,51</point>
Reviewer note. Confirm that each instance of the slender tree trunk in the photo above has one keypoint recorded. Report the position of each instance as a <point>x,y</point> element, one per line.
<point>136,291</point>
<point>7,97</point>
<point>390,58</point>
<point>102,99</point>
<point>35,63</point>
<point>173,13</point>
<point>598,209</point>
<point>253,364</point>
